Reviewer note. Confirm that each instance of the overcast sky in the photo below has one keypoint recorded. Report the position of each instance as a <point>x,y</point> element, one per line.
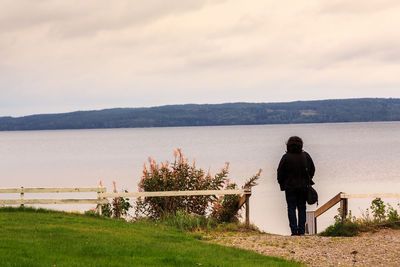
<point>59,56</point>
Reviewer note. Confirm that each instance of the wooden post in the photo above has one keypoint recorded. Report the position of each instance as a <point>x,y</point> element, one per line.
<point>248,194</point>
<point>311,223</point>
<point>117,213</point>
<point>22,196</point>
<point>344,207</point>
<point>247,211</point>
<point>99,209</point>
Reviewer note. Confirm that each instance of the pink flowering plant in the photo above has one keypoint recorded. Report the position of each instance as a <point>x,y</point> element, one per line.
<point>180,175</point>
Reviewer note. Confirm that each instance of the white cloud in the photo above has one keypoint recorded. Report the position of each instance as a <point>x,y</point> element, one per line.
<point>133,53</point>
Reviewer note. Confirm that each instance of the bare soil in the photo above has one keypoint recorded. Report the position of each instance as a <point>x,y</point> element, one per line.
<point>381,248</point>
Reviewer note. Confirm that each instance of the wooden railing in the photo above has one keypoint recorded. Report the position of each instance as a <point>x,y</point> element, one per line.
<point>102,196</point>
<point>23,201</point>
<point>343,198</point>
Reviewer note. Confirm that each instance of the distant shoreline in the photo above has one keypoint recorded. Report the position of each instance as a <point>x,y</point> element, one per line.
<point>156,127</point>
<point>228,114</point>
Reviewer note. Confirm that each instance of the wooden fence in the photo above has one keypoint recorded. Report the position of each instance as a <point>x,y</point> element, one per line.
<point>102,196</point>
<point>23,201</point>
<point>343,198</point>
<point>244,199</point>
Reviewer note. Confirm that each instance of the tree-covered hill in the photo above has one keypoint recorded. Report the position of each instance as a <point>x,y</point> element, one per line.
<point>341,110</point>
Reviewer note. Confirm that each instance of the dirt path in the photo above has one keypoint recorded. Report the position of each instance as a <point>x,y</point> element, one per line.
<point>370,249</point>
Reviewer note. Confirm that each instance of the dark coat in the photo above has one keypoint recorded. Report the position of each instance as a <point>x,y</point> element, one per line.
<point>295,171</point>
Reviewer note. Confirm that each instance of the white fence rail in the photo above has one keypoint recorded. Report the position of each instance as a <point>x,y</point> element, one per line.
<point>52,201</point>
<point>53,190</point>
<point>177,193</point>
<point>23,201</point>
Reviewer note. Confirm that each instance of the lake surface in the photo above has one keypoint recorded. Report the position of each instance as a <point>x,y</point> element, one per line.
<point>349,157</point>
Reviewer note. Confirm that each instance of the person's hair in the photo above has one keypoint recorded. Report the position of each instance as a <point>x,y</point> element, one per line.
<point>294,144</point>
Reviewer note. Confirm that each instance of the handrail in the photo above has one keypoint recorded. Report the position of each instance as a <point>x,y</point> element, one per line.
<point>383,195</point>
<point>343,199</point>
<point>332,202</point>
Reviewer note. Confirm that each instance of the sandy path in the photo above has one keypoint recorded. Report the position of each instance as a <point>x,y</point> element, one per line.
<point>370,249</point>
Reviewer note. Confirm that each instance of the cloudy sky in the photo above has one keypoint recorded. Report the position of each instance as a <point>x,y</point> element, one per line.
<point>58,56</point>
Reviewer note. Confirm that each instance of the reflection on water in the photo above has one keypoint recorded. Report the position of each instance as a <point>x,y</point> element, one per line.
<point>349,157</point>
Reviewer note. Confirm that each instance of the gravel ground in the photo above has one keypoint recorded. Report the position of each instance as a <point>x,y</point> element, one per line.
<point>381,248</point>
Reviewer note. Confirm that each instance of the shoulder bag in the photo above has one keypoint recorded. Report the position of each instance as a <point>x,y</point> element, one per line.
<point>312,195</point>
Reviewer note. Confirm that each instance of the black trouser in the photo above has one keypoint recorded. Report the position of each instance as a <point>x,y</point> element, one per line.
<point>296,198</point>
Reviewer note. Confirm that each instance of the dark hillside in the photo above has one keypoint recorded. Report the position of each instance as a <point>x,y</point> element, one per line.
<point>345,110</point>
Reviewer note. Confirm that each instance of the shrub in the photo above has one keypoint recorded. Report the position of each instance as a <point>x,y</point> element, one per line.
<point>346,228</point>
<point>118,208</point>
<point>226,208</point>
<point>351,226</point>
<point>378,208</point>
<point>392,214</point>
<point>180,175</point>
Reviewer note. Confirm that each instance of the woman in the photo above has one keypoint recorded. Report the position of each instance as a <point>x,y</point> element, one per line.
<point>295,172</point>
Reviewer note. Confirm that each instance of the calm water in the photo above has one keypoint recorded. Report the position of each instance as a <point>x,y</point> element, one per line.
<point>349,157</point>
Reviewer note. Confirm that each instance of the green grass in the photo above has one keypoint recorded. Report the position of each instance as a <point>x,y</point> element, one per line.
<point>31,237</point>
<point>198,223</point>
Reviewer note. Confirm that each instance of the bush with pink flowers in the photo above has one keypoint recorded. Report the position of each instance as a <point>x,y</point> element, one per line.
<point>180,175</point>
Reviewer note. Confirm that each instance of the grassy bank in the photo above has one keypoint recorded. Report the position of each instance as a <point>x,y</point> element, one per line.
<point>47,238</point>
<point>354,228</point>
<point>383,216</point>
